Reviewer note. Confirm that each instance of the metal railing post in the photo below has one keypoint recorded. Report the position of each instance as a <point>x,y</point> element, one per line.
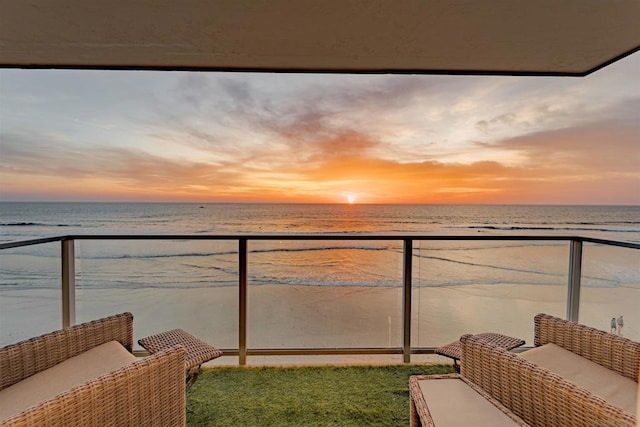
<point>68,258</point>
<point>242,311</point>
<point>575,275</point>
<point>406,300</point>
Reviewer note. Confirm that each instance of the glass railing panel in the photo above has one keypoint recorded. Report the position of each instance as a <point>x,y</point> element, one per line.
<point>166,284</point>
<point>485,286</point>
<point>611,288</point>
<point>30,292</point>
<point>324,294</point>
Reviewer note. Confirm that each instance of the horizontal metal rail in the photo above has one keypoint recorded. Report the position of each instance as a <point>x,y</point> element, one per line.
<point>316,237</point>
<point>18,244</point>
<point>406,241</point>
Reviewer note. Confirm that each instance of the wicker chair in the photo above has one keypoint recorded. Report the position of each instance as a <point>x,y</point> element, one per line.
<point>533,395</point>
<point>147,392</point>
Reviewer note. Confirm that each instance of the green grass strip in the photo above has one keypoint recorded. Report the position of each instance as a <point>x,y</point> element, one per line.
<point>307,396</point>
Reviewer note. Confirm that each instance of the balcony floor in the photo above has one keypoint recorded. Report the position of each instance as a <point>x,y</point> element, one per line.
<point>311,396</point>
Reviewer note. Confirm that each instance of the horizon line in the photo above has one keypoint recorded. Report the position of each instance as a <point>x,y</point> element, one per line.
<point>317,203</point>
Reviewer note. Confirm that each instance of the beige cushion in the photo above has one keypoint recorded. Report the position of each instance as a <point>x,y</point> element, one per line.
<point>72,372</point>
<point>616,389</point>
<point>453,403</point>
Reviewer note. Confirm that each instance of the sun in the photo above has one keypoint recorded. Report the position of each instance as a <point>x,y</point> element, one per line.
<point>351,198</point>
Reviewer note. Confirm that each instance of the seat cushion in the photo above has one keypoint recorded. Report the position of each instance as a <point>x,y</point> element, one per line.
<point>616,389</point>
<point>72,372</point>
<point>453,403</point>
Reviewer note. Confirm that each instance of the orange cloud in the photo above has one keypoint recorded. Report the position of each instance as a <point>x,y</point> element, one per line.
<point>328,168</point>
<point>386,140</point>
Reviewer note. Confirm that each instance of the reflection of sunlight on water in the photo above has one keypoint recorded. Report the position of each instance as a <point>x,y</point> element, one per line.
<point>345,263</point>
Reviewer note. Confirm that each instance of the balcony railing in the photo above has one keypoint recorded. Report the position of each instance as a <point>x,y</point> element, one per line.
<point>407,248</point>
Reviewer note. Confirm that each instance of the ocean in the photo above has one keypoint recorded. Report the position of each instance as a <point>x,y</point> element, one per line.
<point>112,275</point>
<point>31,220</point>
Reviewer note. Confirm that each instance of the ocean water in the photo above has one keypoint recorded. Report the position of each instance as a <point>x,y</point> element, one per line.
<point>317,293</point>
<point>184,263</point>
<point>31,220</point>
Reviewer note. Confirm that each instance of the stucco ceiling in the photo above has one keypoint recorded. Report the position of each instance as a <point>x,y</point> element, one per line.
<point>566,37</point>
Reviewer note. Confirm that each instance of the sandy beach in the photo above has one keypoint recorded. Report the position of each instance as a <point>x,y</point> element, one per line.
<point>292,316</point>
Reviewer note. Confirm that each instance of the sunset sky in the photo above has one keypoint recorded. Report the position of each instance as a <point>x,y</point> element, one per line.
<point>253,137</point>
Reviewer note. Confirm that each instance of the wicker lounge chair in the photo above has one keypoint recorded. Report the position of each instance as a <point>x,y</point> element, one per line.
<point>148,391</point>
<point>527,392</point>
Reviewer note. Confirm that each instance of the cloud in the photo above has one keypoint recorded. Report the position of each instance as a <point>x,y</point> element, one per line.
<point>328,170</point>
<point>594,148</point>
<point>248,137</point>
<point>486,126</point>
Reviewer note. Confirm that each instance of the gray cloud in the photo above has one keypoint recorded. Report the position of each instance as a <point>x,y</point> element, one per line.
<point>611,144</point>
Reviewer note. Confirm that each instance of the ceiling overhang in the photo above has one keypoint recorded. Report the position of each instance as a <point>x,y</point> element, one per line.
<point>515,37</point>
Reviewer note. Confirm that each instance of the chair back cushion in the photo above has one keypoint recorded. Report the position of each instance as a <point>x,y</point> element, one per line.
<point>613,387</point>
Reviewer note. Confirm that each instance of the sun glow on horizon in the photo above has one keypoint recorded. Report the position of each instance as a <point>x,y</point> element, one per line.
<point>351,198</point>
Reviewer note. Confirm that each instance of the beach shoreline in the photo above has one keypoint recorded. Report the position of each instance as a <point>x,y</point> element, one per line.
<point>297,316</point>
